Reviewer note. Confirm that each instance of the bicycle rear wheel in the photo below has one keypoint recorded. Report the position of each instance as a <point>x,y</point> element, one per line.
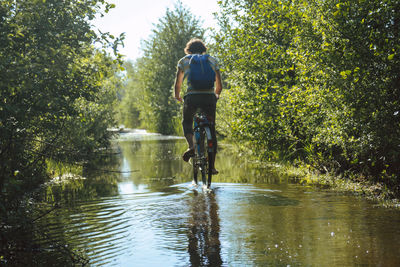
<point>209,145</point>
<point>199,161</point>
<point>195,169</point>
<point>204,162</point>
<point>210,168</point>
<point>204,172</point>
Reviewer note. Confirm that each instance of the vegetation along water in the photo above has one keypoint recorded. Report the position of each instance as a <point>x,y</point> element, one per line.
<point>313,84</point>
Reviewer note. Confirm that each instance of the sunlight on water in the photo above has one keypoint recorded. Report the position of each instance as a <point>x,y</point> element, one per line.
<point>140,135</point>
<point>128,187</point>
<point>152,215</point>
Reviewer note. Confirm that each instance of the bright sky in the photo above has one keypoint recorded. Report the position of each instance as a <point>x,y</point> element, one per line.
<point>137,18</point>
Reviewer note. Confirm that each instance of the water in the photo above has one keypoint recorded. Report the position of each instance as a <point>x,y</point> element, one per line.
<point>151,215</point>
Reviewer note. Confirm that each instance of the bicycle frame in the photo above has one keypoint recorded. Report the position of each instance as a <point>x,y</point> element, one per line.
<point>203,150</point>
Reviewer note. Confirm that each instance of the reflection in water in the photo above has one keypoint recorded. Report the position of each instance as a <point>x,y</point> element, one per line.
<point>203,235</point>
<point>149,215</point>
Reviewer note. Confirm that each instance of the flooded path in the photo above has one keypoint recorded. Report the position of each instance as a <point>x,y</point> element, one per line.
<point>151,215</point>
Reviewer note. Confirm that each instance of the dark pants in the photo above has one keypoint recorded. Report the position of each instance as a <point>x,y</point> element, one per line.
<point>205,102</point>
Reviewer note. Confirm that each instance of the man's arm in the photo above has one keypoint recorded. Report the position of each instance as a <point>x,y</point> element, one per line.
<point>218,83</point>
<point>178,84</point>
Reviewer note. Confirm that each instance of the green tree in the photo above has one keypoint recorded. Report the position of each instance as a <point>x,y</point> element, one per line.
<point>56,97</point>
<point>57,89</point>
<point>316,81</point>
<point>130,97</point>
<point>254,45</point>
<point>150,88</point>
<point>359,56</point>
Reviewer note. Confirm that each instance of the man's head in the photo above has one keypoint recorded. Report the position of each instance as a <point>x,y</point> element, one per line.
<point>195,46</point>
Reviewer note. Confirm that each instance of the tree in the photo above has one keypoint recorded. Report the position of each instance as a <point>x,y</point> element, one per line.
<point>131,97</point>
<point>254,45</point>
<point>150,88</point>
<point>316,81</point>
<point>56,97</point>
<point>56,89</point>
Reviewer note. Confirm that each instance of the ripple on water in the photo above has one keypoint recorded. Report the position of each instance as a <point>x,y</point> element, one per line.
<point>237,224</point>
<point>131,225</point>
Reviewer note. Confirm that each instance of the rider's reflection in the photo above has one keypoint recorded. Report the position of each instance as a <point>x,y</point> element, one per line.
<point>204,245</point>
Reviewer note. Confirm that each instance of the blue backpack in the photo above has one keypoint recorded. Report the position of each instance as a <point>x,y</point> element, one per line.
<point>201,74</point>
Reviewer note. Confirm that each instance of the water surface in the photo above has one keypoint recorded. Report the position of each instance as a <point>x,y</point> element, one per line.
<point>151,215</point>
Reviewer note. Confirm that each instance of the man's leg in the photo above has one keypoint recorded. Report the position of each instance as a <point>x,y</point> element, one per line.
<point>187,123</point>
<point>189,140</point>
<point>211,113</point>
<point>214,137</point>
<point>190,151</point>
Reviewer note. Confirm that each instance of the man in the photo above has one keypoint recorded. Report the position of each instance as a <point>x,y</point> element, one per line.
<point>204,98</point>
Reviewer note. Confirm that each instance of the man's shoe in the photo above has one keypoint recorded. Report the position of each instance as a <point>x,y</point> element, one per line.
<point>215,172</point>
<point>188,154</point>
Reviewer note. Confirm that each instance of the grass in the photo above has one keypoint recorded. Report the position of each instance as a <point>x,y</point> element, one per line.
<point>348,184</point>
<point>354,185</point>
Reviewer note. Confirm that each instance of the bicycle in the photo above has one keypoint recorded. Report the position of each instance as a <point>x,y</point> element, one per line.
<point>204,149</point>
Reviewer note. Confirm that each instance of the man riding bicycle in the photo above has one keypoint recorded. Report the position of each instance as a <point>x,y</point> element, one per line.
<point>197,98</point>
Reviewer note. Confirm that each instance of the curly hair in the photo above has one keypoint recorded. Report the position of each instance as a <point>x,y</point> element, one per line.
<point>195,46</point>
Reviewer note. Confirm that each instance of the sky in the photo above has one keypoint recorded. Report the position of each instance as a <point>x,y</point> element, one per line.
<point>137,18</point>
